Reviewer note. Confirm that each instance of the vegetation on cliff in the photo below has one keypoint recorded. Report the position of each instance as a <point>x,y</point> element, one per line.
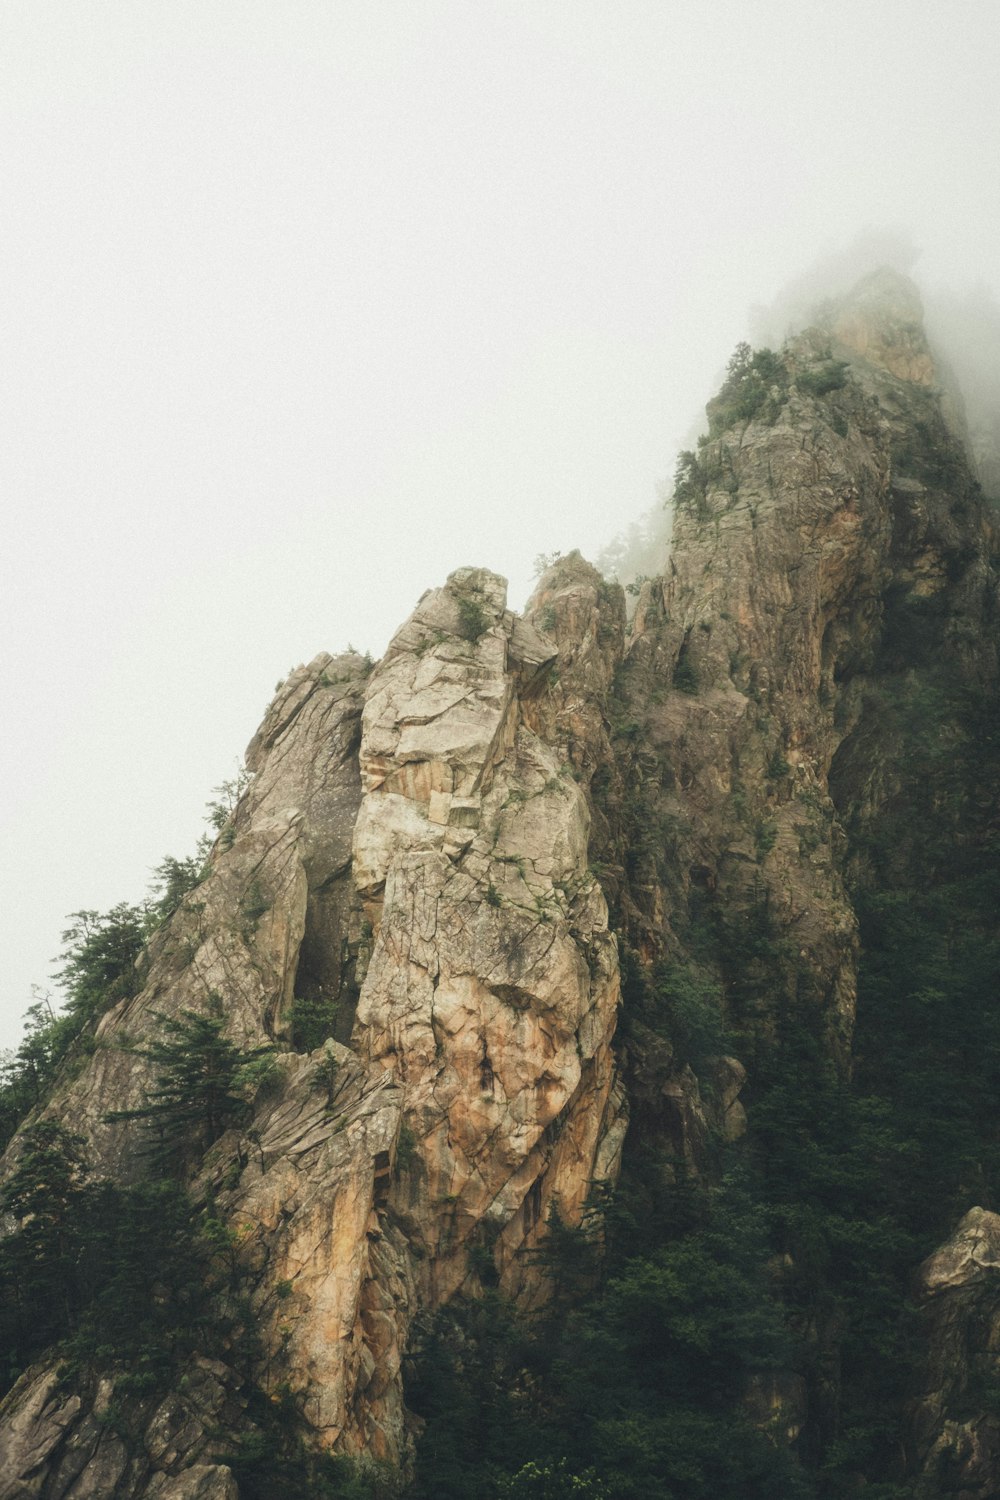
<point>788,789</point>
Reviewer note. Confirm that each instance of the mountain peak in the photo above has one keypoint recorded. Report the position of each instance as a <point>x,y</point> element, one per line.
<point>882,319</point>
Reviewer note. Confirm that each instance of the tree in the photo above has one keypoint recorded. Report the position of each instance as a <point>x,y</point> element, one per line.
<point>146,1283</point>
<point>115,1277</point>
<point>26,1074</point>
<point>99,967</point>
<point>225,798</point>
<point>39,1291</point>
<point>201,1085</point>
<point>739,362</point>
<point>99,958</point>
<point>553,1481</point>
<point>173,878</point>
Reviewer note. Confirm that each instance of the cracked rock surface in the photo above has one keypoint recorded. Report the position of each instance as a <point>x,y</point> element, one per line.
<point>410,849</point>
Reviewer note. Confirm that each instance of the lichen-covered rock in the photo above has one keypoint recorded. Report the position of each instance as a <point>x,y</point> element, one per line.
<point>35,1418</point>
<point>584,616</point>
<point>201,1482</point>
<point>883,321</point>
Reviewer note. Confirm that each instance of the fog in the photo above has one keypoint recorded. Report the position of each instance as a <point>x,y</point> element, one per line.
<point>961,316</point>
<point>305,305</point>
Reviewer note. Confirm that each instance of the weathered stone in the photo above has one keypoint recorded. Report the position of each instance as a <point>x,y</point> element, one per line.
<point>492,990</point>
<point>203,1482</point>
<point>957,1437</point>
<point>307,1205</point>
<point>276,908</point>
<point>35,1418</point>
<point>416,854</point>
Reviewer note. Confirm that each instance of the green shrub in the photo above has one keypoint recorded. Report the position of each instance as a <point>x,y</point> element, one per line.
<point>313,1018</point>
<point>691,485</point>
<point>79,1268</point>
<point>200,1086</point>
<point>777,766</point>
<point>820,380</point>
<point>689,1008</point>
<point>253,904</point>
<point>765,838</point>
<point>551,1481</point>
<point>685,677</point>
<point>472,619</point>
<point>756,387</point>
<point>406,1148</point>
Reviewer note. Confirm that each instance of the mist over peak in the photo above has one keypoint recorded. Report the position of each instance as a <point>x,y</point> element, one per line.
<point>877,276</point>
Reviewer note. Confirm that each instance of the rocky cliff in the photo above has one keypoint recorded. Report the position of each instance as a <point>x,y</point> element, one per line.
<point>429,849</point>
<point>413,850</point>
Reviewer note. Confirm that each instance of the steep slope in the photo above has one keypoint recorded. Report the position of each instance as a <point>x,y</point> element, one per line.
<point>783,784</point>
<point>467,932</point>
<point>806,811</point>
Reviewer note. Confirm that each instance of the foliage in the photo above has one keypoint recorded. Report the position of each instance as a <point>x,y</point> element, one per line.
<point>553,1481</point>
<point>173,879</point>
<point>313,1019</point>
<point>147,1267</point>
<point>755,388</point>
<point>99,958</point>
<point>100,966</point>
<point>821,379</point>
<point>641,1381</point>
<point>27,1073</point>
<point>118,1277</point>
<point>465,1385</point>
<point>39,1291</point>
<point>253,904</point>
<point>777,766</point>
<point>201,1086</point>
<point>691,485</point>
<point>472,619</point>
<point>691,1012</point>
<point>270,1461</point>
<point>406,1148</point>
<point>765,838</point>
<point>221,809</point>
<point>101,963</point>
<point>685,675</point>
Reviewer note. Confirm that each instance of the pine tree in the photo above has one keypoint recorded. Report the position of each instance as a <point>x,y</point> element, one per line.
<point>39,1292</point>
<point>201,1078</point>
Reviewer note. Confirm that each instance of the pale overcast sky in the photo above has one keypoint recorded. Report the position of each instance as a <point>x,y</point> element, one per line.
<point>305,303</point>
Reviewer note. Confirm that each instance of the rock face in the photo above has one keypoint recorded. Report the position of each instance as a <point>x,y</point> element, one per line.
<point>61,1443</point>
<point>428,852</point>
<point>277,892</point>
<point>805,541</point>
<point>492,992</point>
<point>438,887</point>
<point>957,1435</point>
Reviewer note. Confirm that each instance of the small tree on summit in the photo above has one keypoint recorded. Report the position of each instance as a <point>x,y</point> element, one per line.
<point>202,1079</point>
